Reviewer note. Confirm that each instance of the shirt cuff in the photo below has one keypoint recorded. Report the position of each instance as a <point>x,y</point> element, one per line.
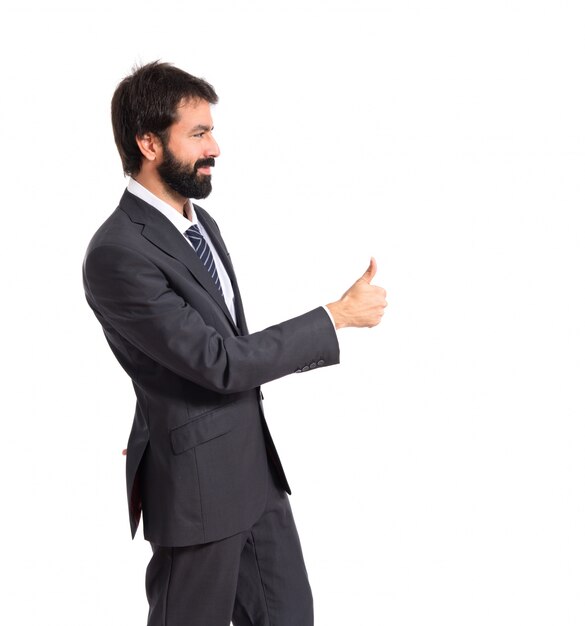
<point>330,316</point>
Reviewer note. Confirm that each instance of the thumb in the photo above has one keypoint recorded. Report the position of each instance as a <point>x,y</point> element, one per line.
<point>371,271</point>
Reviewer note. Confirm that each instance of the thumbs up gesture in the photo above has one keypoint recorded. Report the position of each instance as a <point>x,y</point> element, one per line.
<point>362,305</point>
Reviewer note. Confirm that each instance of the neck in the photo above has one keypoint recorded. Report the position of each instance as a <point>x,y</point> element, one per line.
<point>156,186</point>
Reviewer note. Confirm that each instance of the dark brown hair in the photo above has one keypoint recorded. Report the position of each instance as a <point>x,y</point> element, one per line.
<point>146,101</point>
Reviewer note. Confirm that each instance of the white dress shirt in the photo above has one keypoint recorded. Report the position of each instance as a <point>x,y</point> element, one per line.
<point>182,223</point>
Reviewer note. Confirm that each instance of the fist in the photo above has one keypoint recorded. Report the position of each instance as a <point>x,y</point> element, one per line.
<point>362,305</point>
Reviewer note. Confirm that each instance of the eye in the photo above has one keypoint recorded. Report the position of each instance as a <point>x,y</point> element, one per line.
<point>198,135</point>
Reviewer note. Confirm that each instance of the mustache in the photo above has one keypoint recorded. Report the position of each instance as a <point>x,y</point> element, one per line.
<point>209,162</point>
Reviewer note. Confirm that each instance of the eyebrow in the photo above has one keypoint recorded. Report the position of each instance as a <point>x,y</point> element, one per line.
<point>201,127</point>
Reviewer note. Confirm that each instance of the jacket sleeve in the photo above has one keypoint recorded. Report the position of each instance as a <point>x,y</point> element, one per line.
<point>133,296</point>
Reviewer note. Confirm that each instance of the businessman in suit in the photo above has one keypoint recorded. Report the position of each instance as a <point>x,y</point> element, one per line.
<point>201,466</point>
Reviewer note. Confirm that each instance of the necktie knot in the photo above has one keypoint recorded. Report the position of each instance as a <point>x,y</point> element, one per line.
<point>203,251</point>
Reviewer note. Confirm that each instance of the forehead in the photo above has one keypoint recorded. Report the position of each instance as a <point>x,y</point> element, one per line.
<point>192,113</point>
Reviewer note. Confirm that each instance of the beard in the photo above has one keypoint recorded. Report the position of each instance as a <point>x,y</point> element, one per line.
<point>184,179</point>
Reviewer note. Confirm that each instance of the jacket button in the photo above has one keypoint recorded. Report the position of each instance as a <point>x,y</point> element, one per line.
<point>298,371</point>
<point>313,366</point>
<point>305,369</point>
<point>321,362</point>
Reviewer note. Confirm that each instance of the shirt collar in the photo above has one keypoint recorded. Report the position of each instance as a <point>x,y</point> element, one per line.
<point>180,222</point>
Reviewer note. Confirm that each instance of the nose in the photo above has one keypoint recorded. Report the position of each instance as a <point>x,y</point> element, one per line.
<point>213,147</point>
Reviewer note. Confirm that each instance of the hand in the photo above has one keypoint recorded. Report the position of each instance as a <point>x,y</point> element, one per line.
<point>362,305</point>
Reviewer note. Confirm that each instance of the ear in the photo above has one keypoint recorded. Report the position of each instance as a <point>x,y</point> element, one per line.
<point>150,146</point>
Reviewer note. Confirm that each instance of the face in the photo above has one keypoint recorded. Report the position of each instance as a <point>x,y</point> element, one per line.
<point>189,151</point>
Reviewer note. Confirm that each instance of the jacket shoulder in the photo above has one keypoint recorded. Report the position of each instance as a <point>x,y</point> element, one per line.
<point>117,229</point>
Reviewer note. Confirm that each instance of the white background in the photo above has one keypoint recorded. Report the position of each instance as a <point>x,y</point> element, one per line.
<point>438,473</point>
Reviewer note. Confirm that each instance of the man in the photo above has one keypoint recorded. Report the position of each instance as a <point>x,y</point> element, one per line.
<point>201,465</point>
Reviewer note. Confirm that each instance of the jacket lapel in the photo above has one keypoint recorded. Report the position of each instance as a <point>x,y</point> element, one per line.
<point>160,232</point>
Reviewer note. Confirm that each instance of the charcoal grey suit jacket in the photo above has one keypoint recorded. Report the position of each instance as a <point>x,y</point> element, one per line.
<point>196,464</point>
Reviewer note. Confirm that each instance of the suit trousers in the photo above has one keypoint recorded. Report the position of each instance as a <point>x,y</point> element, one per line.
<point>255,578</point>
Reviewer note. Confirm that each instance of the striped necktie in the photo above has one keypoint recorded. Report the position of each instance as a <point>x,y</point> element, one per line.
<point>204,253</point>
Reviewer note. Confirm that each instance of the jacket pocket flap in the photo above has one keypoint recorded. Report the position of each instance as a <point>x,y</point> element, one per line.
<point>201,429</point>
